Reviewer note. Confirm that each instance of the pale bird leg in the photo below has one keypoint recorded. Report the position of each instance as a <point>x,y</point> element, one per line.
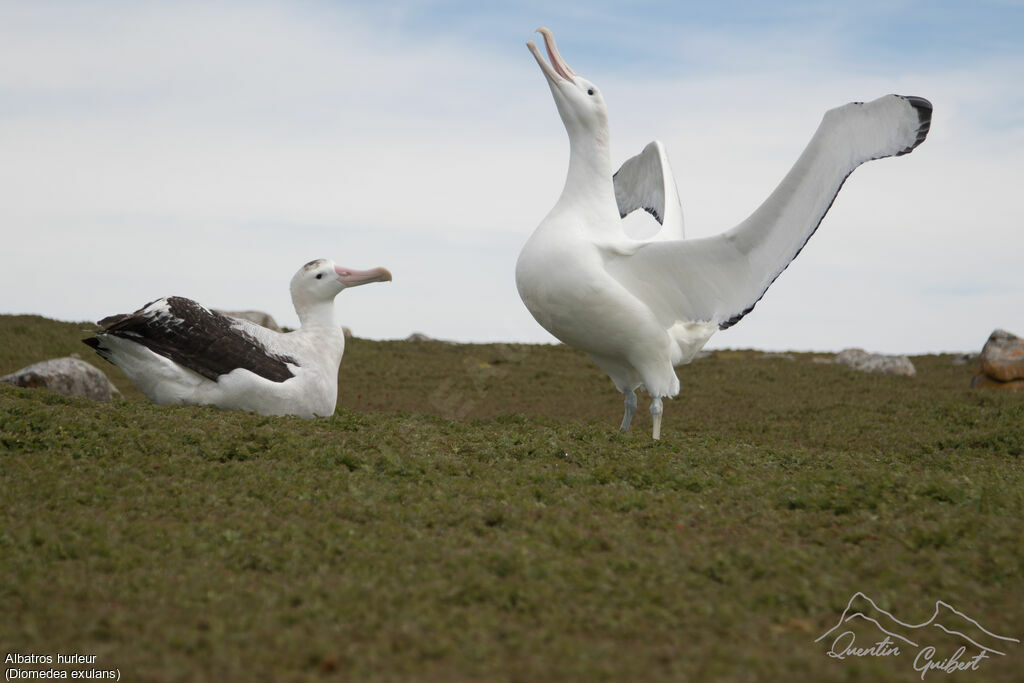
<point>630,409</point>
<point>656,411</point>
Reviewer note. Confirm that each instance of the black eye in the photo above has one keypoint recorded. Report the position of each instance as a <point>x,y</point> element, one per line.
<point>590,91</point>
<point>319,275</point>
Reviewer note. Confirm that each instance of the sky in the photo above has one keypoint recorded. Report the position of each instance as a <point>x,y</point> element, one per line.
<point>209,149</point>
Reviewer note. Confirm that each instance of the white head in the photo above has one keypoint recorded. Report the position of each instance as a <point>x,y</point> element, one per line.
<point>318,282</point>
<point>579,101</point>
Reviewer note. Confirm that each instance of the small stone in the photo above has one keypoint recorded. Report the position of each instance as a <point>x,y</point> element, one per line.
<point>68,376</point>
<point>1001,363</point>
<point>985,382</point>
<point>1002,358</point>
<point>859,359</point>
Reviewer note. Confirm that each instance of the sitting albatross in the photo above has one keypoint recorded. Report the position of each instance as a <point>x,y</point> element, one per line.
<point>177,351</point>
<point>639,308</point>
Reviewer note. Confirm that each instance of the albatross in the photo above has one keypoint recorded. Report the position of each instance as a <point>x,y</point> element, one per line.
<point>639,308</point>
<point>177,351</point>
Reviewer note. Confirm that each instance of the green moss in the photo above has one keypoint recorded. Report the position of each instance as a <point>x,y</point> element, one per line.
<point>471,513</point>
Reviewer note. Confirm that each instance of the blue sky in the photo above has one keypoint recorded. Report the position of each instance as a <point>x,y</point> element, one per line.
<point>209,149</point>
<point>613,35</point>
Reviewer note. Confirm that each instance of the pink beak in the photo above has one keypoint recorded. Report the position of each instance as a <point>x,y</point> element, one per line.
<point>558,69</point>
<point>354,278</point>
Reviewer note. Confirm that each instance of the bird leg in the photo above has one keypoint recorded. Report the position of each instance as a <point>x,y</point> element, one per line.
<point>656,411</point>
<point>630,409</point>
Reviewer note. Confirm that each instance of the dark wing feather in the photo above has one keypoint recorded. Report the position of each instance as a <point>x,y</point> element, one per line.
<point>201,340</point>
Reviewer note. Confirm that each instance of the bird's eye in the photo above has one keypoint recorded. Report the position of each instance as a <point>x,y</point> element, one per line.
<point>590,91</point>
<point>319,275</point>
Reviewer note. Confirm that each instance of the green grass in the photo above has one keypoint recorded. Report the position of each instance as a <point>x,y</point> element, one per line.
<point>471,513</point>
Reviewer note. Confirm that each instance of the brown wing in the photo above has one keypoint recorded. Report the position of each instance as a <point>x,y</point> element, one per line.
<point>195,337</point>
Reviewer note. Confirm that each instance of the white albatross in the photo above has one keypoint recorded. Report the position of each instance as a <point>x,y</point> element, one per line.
<point>639,308</point>
<point>177,351</point>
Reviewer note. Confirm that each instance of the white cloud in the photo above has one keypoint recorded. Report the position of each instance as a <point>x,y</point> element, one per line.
<point>209,150</point>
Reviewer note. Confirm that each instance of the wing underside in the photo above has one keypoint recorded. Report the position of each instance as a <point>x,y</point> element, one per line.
<point>646,182</point>
<point>719,279</point>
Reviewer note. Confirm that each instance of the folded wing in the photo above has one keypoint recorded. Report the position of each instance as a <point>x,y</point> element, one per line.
<point>197,338</point>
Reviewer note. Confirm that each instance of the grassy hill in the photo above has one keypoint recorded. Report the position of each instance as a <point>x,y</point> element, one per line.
<point>472,513</point>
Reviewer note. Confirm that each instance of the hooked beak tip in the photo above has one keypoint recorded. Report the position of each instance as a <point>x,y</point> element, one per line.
<point>558,69</point>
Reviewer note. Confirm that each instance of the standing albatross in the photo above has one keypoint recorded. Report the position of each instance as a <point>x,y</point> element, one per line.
<point>639,308</point>
<point>177,351</point>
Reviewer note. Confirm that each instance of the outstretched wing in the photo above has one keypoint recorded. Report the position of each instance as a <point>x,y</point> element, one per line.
<point>645,182</point>
<point>719,279</point>
<point>197,338</point>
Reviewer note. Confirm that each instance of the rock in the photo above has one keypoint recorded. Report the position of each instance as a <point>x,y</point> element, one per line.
<point>420,337</point>
<point>70,376</point>
<point>347,332</point>
<point>965,359</point>
<point>259,317</point>
<point>1002,358</point>
<point>771,355</point>
<point>985,382</point>
<point>859,359</point>
<point>1001,363</point>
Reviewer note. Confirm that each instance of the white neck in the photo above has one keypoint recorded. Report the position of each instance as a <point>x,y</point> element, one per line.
<point>589,179</point>
<point>320,314</point>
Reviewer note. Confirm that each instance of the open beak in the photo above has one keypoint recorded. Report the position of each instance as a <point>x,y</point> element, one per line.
<point>558,70</point>
<point>354,278</point>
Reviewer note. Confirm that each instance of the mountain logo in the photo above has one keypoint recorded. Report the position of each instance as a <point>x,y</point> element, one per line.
<point>948,630</point>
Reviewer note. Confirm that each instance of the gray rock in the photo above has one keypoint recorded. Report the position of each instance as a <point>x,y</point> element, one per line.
<point>985,382</point>
<point>259,317</point>
<point>70,376</point>
<point>1001,363</point>
<point>1002,358</point>
<point>859,359</point>
<point>420,337</point>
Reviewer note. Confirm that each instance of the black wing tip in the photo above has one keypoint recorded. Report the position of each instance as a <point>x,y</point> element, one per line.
<point>923,106</point>
<point>924,119</point>
<point>726,324</point>
<point>97,345</point>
